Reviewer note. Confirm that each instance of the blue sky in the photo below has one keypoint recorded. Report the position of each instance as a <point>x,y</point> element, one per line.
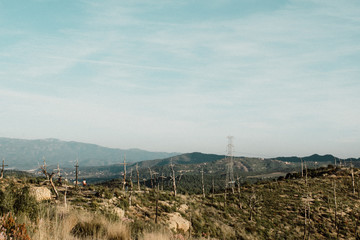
<point>282,77</point>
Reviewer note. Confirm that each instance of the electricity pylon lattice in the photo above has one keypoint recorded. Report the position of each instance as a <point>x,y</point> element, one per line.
<point>230,181</point>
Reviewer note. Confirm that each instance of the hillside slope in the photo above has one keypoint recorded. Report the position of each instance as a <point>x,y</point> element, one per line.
<point>320,204</point>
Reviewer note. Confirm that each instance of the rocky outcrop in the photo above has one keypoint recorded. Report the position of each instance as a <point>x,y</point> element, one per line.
<point>178,223</point>
<point>40,193</point>
<point>183,208</point>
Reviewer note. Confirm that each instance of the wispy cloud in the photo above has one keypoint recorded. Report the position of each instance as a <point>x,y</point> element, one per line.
<point>278,75</point>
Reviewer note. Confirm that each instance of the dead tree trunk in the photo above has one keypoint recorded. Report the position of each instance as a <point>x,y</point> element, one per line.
<point>307,217</point>
<point>162,181</point>
<point>76,173</point>
<point>151,178</point>
<point>252,202</point>
<point>173,178</point>
<point>138,178</point>
<point>335,211</point>
<point>239,192</point>
<point>353,178</point>
<point>213,187</point>
<point>3,168</point>
<point>202,182</point>
<point>157,207</point>
<point>124,180</point>
<point>65,203</point>
<point>305,225</point>
<point>50,177</point>
<point>53,185</point>
<point>302,167</point>
<point>306,173</point>
<point>131,182</point>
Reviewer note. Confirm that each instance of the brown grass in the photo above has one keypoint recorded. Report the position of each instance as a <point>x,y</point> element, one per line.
<point>73,224</point>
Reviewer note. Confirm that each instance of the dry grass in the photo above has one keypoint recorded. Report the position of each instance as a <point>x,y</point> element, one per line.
<point>156,236</point>
<point>71,224</point>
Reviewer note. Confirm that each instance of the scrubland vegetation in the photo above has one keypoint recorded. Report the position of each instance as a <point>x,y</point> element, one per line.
<point>321,203</point>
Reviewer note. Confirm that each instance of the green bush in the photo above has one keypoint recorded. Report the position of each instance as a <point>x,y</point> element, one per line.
<point>26,204</point>
<point>19,201</point>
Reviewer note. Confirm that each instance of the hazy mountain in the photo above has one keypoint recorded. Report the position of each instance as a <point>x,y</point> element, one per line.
<point>28,154</point>
<point>320,159</point>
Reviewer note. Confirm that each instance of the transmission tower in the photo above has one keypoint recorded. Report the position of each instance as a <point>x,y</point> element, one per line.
<point>230,182</point>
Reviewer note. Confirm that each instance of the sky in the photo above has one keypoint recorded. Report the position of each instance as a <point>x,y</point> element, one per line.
<point>282,76</point>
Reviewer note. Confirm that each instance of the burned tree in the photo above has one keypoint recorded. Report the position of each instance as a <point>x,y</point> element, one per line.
<point>76,173</point>
<point>124,180</point>
<point>49,177</point>
<point>202,182</point>
<point>3,168</point>
<point>252,202</point>
<point>138,179</point>
<point>353,178</point>
<point>151,178</point>
<point>173,176</point>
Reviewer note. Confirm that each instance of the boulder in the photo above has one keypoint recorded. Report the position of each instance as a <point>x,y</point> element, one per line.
<point>183,208</point>
<point>164,203</point>
<point>119,212</point>
<point>178,223</point>
<point>40,193</point>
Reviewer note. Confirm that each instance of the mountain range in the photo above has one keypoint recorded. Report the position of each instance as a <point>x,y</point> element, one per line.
<point>28,154</point>
<point>103,163</point>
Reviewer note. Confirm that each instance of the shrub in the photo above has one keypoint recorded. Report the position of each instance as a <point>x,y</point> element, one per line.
<point>88,229</point>
<point>9,229</point>
<point>19,201</point>
<point>26,204</point>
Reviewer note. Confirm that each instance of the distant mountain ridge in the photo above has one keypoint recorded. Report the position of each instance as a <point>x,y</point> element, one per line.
<point>316,158</point>
<point>28,154</point>
<point>214,165</point>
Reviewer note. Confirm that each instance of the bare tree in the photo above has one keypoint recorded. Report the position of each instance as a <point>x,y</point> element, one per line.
<point>307,217</point>
<point>131,182</point>
<point>151,179</point>
<point>3,168</point>
<point>302,167</point>
<point>252,202</point>
<point>138,179</point>
<point>156,182</point>
<point>50,176</point>
<point>239,191</point>
<point>213,187</point>
<point>335,210</point>
<point>173,177</point>
<point>76,173</point>
<point>162,181</point>
<point>202,182</point>
<point>131,188</point>
<point>306,173</point>
<point>352,177</point>
<point>124,180</point>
